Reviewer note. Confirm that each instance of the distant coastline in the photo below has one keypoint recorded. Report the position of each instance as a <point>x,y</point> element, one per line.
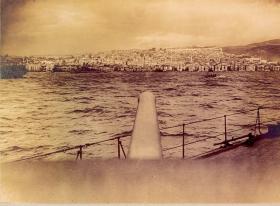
<point>262,56</point>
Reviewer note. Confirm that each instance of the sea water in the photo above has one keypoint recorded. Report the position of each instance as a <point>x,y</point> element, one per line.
<point>45,112</point>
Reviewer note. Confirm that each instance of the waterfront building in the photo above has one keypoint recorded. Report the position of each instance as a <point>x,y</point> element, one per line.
<point>34,67</point>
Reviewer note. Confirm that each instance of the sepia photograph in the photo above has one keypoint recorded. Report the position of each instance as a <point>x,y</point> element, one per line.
<point>139,101</point>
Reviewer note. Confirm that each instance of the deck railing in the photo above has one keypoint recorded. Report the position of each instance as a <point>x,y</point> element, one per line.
<point>256,127</point>
<point>121,153</point>
<point>80,149</point>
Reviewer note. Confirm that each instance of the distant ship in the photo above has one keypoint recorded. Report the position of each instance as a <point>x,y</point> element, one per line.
<point>84,69</point>
<point>12,71</point>
<point>210,74</point>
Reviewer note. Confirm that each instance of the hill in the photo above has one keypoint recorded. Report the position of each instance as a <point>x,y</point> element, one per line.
<point>269,50</point>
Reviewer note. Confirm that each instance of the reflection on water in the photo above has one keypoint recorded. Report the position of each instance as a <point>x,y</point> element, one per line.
<point>47,111</point>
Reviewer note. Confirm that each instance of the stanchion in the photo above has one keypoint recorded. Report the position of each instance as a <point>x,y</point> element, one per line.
<point>123,150</point>
<point>259,120</point>
<point>80,152</point>
<point>225,120</point>
<point>119,151</point>
<point>258,123</point>
<point>183,144</point>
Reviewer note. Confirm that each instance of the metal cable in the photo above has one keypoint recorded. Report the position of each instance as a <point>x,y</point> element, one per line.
<point>209,119</point>
<point>71,148</point>
<point>200,140</point>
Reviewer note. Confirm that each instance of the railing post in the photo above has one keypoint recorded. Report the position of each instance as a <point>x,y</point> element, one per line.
<point>183,143</point>
<point>80,152</point>
<point>225,118</point>
<point>122,150</point>
<point>259,120</point>
<point>119,151</point>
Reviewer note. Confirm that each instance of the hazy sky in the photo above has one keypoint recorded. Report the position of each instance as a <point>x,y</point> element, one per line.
<point>68,26</point>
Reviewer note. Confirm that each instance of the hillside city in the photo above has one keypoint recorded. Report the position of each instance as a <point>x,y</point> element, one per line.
<point>194,59</point>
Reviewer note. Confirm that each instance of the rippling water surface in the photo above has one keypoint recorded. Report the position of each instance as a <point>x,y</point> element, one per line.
<point>44,112</point>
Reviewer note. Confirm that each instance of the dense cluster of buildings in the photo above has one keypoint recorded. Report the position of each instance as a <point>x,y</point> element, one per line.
<point>171,59</point>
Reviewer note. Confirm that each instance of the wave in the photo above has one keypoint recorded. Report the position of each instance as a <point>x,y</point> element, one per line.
<point>164,114</point>
<point>80,131</point>
<point>5,118</point>
<point>97,109</point>
<point>236,98</point>
<point>207,106</point>
<point>83,98</point>
<point>5,132</point>
<point>170,89</point>
<point>16,148</point>
<point>123,134</point>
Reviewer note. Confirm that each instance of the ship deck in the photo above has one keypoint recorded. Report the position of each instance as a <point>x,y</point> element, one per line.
<point>243,175</point>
